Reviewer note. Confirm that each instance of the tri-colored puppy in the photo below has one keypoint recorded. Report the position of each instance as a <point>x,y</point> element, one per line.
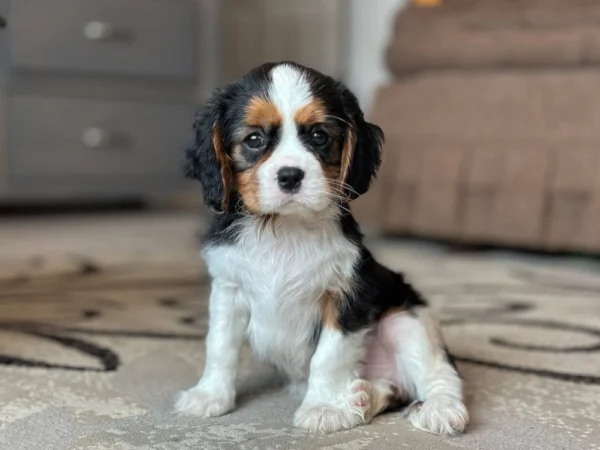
<point>280,153</point>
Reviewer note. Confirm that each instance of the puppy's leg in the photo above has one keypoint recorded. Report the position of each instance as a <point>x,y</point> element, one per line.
<point>214,395</point>
<point>336,398</point>
<point>424,370</point>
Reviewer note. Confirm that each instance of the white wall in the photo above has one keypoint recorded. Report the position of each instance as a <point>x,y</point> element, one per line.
<point>369,30</point>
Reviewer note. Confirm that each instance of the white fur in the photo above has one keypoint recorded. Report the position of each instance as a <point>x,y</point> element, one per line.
<point>280,277</point>
<point>267,287</point>
<point>423,370</point>
<point>336,398</point>
<point>214,394</point>
<point>290,91</point>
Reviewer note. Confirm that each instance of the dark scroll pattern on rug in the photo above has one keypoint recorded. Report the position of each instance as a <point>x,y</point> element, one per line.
<point>80,338</point>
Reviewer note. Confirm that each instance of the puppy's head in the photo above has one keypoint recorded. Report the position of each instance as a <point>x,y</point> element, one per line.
<point>284,139</point>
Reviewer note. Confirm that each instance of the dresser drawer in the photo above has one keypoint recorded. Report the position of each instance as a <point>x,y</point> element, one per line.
<point>61,138</point>
<point>128,37</point>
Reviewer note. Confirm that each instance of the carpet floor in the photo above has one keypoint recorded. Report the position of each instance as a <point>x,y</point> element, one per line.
<point>102,322</point>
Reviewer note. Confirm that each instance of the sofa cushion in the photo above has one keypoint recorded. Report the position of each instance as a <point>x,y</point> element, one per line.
<point>490,157</point>
<point>495,34</point>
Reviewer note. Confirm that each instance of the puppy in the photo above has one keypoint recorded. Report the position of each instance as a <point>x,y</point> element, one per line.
<point>280,153</point>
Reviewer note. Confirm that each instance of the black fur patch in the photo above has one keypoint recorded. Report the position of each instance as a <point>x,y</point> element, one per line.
<point>377,289</point>
<point>223,230</point>
<point>224,109</point>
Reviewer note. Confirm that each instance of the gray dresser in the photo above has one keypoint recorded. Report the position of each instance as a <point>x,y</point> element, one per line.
<point>97,97</point>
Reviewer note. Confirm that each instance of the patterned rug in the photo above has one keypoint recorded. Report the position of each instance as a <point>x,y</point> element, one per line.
<point>102,322</point>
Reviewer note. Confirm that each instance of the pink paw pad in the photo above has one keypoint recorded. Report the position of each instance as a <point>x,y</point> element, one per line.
<point>362,402</point>
<point>362,390</point>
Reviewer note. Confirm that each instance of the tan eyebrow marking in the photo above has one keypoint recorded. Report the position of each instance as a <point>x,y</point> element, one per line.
<point>313,112</point>
<point>261,112</point>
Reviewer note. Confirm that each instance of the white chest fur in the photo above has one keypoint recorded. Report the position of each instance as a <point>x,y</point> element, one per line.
<point>280,277</point>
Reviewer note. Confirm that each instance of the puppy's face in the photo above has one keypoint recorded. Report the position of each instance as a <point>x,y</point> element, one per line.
<point>283,140</point>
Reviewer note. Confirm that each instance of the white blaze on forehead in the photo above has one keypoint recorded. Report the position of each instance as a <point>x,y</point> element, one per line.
<point>289,91</point>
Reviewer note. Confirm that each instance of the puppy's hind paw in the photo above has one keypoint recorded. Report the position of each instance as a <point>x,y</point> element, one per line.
<point>199,402</point>
<point>443,415</point>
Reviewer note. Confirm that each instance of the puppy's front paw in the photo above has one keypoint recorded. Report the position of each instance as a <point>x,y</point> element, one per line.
<point>204,403</point>
<point>348,412</point>
<point>441,415</point>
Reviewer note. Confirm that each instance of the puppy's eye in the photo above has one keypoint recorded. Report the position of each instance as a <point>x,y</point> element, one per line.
<point>319,138</point>
<point>254,142</point>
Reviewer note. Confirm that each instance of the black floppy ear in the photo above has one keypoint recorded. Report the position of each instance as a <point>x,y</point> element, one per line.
<point>361,154</point>
<point>207,160</point>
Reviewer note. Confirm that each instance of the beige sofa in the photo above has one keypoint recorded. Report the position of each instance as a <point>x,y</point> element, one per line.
<point>492,125</point>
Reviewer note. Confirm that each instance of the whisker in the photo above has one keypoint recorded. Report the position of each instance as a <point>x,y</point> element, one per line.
<point>341,120</point>
<point>346,186</point>
<point>342,196</point>
<point>339,200</point>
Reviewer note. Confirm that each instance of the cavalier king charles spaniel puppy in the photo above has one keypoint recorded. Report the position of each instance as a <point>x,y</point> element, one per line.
<point>280,153</point>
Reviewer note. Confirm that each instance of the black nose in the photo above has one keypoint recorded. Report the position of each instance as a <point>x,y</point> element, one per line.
<point>289,178</point>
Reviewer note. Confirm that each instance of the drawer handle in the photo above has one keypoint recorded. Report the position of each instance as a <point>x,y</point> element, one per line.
<point>98,31</point>
<point>96,138</point>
